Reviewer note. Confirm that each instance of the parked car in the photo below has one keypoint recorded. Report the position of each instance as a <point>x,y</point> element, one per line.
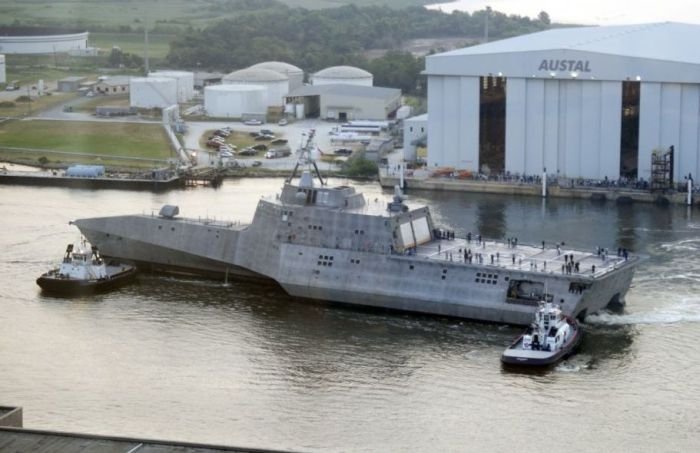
<point>256,163</point>
<point>252,122</point>
<point>342,151</point>
<point>260,147</point>
<point>283,122</point>
<point>266,132</point>
<point>248,152</point>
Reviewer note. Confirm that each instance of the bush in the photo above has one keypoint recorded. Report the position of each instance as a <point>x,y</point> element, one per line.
<point>24,98</point>
<point>43,160</point>
<point>7,104</point>
<point>358,166</point>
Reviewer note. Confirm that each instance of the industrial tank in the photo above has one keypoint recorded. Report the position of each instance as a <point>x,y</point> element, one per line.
<point>3,78</point>
<point>185,83</point>
<point>276,84</point>
<point>295,74</point>
<point>234,101</point>
<point>345,75</point>
<point>152,92</point>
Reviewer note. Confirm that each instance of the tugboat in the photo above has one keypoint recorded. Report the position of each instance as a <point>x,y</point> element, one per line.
<point>551,337</point>
<point>83,271</point>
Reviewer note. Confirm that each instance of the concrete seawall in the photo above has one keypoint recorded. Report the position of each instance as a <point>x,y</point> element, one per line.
<point>494,187</point>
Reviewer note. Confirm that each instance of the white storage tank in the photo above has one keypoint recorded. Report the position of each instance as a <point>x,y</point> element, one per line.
<point>295,75</point>
<point>345,75</point>
<point>234,101</point>
<point>3,77</point>
<point>276,84</point>
<point>152,92</point>
<point>185,83</point>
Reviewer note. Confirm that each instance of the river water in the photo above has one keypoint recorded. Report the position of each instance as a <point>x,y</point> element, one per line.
<point>194,360</point>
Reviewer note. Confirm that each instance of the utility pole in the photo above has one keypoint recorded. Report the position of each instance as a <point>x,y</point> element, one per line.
<point>486,24</point>
<point>29,101</point>
<point>145,50</point>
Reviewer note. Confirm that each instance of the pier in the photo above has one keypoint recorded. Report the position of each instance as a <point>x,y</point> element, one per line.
<point>203,177</point>
<point>616,194</point>
<point>55,179</point>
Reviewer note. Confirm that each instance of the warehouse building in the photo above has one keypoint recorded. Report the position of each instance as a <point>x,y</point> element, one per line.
<point>112,85</point>
<point>591,102</point>
<point>344,102</point>
<point>415,132</point>
<point>70,84</point>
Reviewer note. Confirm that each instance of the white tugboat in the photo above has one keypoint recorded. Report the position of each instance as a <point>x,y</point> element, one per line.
<point>551,337</point>
<point>83,271</point>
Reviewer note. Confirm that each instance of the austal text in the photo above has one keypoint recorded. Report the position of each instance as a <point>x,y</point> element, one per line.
<point>565,65</point>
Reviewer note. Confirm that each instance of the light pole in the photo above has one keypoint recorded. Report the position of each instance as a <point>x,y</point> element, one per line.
<point>486,24</point>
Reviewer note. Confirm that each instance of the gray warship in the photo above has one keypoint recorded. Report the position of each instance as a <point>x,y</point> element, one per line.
<point>331,244</point>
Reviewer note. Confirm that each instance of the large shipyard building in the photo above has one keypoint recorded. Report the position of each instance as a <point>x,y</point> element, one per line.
<point>589,102</point>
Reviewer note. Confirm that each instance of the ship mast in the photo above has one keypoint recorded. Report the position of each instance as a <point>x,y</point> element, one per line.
<point>306,158</point>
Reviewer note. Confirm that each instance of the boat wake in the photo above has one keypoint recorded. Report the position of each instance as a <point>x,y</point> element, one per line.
<point>686,311</point>
<point>685,245</point>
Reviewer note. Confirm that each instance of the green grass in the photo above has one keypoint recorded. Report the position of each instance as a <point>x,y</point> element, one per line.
<point>88,105</point>
<point>158,44</point>
<point>103,142</point>
<point>31,75</point>
<point>22,109</point>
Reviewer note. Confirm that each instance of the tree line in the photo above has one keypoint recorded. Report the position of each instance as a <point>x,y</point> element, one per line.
<point>315,39</point>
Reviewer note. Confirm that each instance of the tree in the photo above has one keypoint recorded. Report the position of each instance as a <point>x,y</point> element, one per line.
<point>544,18</point>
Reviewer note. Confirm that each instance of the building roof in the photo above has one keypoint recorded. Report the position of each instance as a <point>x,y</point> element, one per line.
<point>234,88</point>
<point>670,41</point>
<point>170,73</point>
<point>278,66</point>
<point>343,72</point>
<point>150,80</point>
<point>72,79</point>
<point>115,80</point>
<point>657,52</point>
<point>340,89</point>
<point>255,75</point>
<point>417,118</point>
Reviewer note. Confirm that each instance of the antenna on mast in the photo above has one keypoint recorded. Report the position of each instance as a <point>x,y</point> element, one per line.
<point>306,157</point>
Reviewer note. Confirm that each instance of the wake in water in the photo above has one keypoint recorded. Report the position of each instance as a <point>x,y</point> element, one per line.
<point>688,310</point>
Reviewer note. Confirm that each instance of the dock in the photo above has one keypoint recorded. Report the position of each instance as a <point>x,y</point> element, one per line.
<point>203,177</point>
<point>598,194</point>
<point>55,179</point>
<point>16,439</point>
